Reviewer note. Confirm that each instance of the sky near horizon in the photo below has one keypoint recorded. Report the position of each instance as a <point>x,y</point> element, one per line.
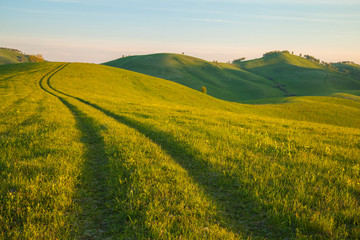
<point>103,30</point>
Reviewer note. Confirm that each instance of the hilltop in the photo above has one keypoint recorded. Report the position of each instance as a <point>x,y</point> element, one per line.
<point>10,56</point>
<point>350,68</point>
<point>276,74</point>
<point>301,76</point>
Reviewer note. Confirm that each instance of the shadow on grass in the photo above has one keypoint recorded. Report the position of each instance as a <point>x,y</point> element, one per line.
<point>93,195</point>
<point>96,219</point>
<point>242,212</point>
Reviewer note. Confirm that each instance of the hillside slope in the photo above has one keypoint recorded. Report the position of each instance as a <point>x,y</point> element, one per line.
<point>10,56</point>
<point>353,69</point>
<point>95,152</point>
<point>300,76</point>
<point>120,84</point>
<point>275,75</point>
<point>222,80</point>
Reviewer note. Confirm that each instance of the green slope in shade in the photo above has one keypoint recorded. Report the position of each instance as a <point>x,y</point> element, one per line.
<point>352,68</point>
<point>224,81</point>
<point>301,77</point>
<point>272,76</point>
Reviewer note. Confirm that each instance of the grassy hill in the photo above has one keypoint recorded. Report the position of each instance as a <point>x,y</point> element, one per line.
<point>95,152</point>
<point>10,56</point>
<point>353,69</point>
<point>299,76</point>
<point>275,75</point>
<point>222,80</point>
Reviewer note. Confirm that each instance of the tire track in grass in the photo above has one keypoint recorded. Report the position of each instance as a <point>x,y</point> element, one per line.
<point>93,220</point>
<point>241,210</point>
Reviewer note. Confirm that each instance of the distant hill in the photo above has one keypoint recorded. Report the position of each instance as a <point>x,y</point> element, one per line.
<point>10,56</point>
<point>276,74</point>
<point>349,68</point>
<point>224,81</point>
<point>296,75</point>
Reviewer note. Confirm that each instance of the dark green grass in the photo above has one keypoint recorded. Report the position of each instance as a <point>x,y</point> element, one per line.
<point>352,68</point>
<point>307,81</point>
<point>300,76</point>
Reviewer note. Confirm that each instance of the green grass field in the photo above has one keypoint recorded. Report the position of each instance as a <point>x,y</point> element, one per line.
<point>272,76</point>
<point>95,152</point>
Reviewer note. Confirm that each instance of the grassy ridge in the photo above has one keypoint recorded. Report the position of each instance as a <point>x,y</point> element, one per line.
<point>222,80</point>
<point>8,56</point>
<point>280,58</point>
<point>153,159</point>
<point>272,76</point>
<point>354,69</point>
<point>299,76</point>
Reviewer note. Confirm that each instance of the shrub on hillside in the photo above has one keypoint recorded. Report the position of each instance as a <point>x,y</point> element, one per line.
<point>238,60</point>
<point>203,90</point>
<point>36,58</point>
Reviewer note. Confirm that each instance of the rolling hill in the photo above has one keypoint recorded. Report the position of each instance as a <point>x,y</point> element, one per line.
<point>275,75</point>
<point>300,76</point>
<point>10,56</point>
<point>94,152</point>
<point>353,69</point>
<point>224,81</point>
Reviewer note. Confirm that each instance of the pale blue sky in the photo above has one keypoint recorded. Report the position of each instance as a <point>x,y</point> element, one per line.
<point>102,30</point>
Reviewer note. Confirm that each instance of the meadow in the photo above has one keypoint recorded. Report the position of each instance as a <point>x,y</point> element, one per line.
<point>95,152</point>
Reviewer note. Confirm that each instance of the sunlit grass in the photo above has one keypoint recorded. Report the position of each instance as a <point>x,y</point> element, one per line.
<point>40,157</point>
<point>107,153</point>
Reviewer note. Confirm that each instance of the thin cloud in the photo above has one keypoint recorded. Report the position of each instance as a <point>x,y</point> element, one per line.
<point>216,20</point>
<point>210,20</point>
<point>183,10</point>
<point>337,15</point>
<point>291,2</point>
<point>63,1</point>
<point>82,2</point>
<point>36,11</point>
<point>305,19</point>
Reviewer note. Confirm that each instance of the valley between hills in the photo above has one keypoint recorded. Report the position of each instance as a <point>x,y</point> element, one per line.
<point>132,149</point>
